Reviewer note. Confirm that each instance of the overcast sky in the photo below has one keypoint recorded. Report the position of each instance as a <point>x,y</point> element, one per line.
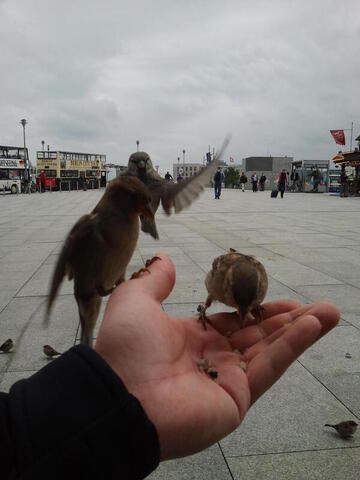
<point>95,76</point>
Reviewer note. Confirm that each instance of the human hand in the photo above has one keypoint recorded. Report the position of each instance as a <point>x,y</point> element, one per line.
<point>156,356</point>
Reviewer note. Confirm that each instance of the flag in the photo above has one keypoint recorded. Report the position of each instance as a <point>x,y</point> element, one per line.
<point>338,136</point>
<point>231,160</point>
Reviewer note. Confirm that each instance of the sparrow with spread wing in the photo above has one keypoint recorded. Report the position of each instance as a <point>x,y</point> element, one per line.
<point>171,195</point>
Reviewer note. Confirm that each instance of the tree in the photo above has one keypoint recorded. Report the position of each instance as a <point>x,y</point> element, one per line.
<point>232,177</point>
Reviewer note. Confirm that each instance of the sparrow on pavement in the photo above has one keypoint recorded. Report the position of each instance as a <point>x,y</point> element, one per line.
<point>99,247</point>
<point>345,429</point>
<point>7,346</point>
<point>50,351</point>
<point>239,281</point>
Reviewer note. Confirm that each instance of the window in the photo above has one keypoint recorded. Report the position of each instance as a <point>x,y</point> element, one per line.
<point>14,174</point>
<point>4,174</point>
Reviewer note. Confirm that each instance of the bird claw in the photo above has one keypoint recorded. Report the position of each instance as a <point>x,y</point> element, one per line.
<point>258,313</point>
<point>151,261</point>
<point>202,316</point>
<point>138,273</point>
<point>142,270</point>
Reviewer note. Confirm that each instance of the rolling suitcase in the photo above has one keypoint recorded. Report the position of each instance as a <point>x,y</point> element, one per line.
<point>274,193</point>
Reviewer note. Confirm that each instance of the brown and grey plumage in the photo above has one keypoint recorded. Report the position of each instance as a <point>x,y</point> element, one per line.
<point>237,280</point>
<point>7,346</point>
<point>99,247</point>
<point>50,352</point>
<point>345,429</point>
<point>171,195</point>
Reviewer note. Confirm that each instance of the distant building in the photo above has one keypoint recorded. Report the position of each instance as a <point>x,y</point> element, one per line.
<point>186,169</point>
<point>269,166</point>
<point>119,169</point>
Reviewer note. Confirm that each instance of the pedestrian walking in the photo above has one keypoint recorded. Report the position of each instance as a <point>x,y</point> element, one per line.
<point>168,176</point>
<point>218,179</point>
<point>42,182</point>
<point>243,181</point>
<point>282,182</point>
<point>344,185</point>
<point>262,182</point>
<point>254,182</point>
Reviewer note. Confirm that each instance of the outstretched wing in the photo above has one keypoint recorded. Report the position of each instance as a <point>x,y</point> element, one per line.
<point>180,195</point>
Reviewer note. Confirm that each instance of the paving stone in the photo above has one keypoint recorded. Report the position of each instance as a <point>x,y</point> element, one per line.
<point>209,464</point>
<point>335,464</point>
<point>289,417</point>
<point>328,361</point>
<point>315,255</point>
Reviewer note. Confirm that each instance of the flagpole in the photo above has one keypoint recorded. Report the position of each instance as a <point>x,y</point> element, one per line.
<point>352,126</point>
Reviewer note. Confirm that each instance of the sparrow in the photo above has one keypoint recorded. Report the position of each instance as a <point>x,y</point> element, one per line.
<point>7,346</point>
<point>171,195</point>
<point>239,281</point>
<point>50,351</point>
<point>99,247</point>
<point>345,429</point>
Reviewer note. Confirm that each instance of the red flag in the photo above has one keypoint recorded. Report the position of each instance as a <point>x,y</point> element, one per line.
<point>231,160</point>
<point>338,136</point>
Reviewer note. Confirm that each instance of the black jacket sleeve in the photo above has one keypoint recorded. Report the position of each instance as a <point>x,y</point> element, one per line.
<point>75,419</point>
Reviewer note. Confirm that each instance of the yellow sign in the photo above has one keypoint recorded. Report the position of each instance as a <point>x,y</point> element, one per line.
<point>46,163</point>
<point>84,163</point>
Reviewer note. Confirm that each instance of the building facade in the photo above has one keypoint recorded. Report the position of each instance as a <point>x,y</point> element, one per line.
<point>186,170</point>
<point>269,166</point>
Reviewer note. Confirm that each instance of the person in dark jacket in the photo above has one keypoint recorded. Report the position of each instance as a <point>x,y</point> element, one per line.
<point>262,182</point>
<point>254,181</point>
<point>282,182</point>
<point>243,181</point>
<point>141,396</point>
<point>218,179</point>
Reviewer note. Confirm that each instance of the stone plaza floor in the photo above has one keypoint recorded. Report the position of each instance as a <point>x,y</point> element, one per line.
<point>309,244</point>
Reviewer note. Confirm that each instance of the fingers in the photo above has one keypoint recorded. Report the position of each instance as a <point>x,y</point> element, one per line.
<point>227,323</point>
<point>256,337</point>
<point>159,282</point>
<point>268,365</point>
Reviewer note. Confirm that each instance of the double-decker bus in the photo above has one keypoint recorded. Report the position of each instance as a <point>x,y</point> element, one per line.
<point>71,170</point>
<point>12,168</point>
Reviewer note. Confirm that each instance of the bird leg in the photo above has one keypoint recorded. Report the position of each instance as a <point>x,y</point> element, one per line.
<point>202,309</point>
<point>258,313</point>
<point>102,292</point>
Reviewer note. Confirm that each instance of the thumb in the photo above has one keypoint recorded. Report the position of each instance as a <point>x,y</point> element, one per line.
<point>156,283</point>
<point>161,279</point>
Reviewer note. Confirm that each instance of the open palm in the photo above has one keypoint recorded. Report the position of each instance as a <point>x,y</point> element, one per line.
<point>157,356</point>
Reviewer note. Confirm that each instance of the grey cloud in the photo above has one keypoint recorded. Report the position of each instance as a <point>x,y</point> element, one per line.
<point>99,75</point>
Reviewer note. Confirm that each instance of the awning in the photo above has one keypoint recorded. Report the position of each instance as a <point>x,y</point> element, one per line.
<point>338,158</point>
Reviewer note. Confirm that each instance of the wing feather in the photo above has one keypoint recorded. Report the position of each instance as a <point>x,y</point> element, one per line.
<point>181,195</point>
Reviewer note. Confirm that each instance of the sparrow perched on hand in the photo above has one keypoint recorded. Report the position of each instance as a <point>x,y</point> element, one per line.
<point>50,351</point>
<point>99,247</point>
<point>345,429</point>
<point>177,195</point>
<point>237,280</point>
<point>7,346</point>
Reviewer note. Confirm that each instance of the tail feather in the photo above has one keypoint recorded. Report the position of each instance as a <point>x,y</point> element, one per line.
<point>57,278</point>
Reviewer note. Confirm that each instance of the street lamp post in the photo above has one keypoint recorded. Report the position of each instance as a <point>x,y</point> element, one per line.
<point>184,161</point>
<point>137,145</point>
<point>26,173</point>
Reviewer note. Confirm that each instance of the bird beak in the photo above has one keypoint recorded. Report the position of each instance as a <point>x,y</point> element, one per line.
<point>141,164</point>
